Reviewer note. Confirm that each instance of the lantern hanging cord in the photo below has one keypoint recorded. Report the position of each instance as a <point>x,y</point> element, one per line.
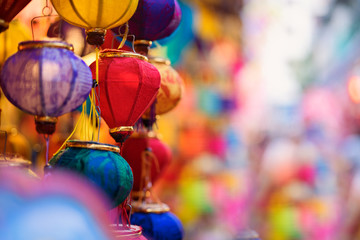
<point>73,132</point>
<point>47,148</point>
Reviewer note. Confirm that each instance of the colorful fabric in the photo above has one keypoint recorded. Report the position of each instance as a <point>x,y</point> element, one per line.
<point>108,170</point>
<point>154,19</point>
<point>128,86</point>
<point>46,81</point>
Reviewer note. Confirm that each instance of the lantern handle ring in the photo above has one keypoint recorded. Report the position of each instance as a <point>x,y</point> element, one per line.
<point>47,9</point>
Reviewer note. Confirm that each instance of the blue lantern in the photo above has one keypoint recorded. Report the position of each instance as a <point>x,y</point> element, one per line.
<point>46,79</point>
<point>159,226</point>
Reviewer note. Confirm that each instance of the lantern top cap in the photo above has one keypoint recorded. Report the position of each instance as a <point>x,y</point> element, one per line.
<point>45,44</point>
<point>155,207</point>
<point>159,60</point>
<point>92,145</point>
<point>108,53</point>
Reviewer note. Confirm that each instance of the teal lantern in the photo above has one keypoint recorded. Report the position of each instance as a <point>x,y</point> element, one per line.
<point>101,164</point>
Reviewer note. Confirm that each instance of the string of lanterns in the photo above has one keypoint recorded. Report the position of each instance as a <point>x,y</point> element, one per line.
<point>46,79</point>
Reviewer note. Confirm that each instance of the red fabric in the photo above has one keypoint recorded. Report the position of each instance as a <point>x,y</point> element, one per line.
<point>134,146</point>
<point>127,88</point>
<point>10,8</point>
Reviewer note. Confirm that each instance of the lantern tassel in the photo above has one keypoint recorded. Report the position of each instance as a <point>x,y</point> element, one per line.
<point>73,132</point>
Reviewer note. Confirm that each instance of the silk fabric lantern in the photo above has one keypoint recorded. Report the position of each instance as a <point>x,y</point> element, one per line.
<point>171,88</point>
<point>8,10</point>
<point>155,19</point>
<point>132,151</point>
<point>101,164</point>
<point>95,16</point>
<point>128,84</point>
<point>46,79</point>
<point>159,226</point>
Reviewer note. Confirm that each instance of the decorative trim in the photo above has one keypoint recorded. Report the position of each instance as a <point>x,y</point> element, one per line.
<point>159,60</point>
<point>124,54</point>
<point>142,42</point>
<point>133,231</point>
<point>92,145</point>
<point>45,44</point>
<point>143,207</point>
<point>46,119</point>
<point>122,129</point>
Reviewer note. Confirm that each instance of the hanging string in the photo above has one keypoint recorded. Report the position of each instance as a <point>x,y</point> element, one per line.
<point>47,148</point>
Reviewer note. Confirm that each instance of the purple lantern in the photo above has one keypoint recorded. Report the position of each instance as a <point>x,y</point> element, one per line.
<point>153,20</point>
<point>46,79</point>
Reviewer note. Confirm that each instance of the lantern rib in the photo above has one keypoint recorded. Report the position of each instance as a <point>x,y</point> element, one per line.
<point>78,14</point>
<point>41,87</point>
<point>11,9</point>
<point>99,12</point>
<point>107,91</point>
<point>137,94</point>
<point>117,20</point>
<point>72,85</point>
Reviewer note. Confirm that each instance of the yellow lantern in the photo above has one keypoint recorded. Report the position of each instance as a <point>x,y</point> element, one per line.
<point>95,15</point>
<point>10,39</point>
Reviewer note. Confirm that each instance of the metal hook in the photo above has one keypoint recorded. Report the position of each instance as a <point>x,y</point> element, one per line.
<point>45,15</point>
<point>120,34</point>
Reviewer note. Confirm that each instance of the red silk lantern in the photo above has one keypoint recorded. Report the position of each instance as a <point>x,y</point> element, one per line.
<point>132,152</point>
<point>8,10</point>
<point>128,85</point>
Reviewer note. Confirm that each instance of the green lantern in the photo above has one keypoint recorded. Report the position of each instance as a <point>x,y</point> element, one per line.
<point>101,164</point>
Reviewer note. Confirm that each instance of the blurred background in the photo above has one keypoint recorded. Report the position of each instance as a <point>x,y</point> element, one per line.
<point>266,136</point>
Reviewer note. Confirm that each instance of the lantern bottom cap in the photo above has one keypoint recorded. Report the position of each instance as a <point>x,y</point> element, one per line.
<point>120,134</point>
<point>45,124</point>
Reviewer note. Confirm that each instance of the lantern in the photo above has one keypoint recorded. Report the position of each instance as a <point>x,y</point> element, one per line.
<point>153,20</point>
<point>159,226</point>
<point>132,152</point>
<point>8,10</point>
<point>101,164</point>
<point>10,39</point>
<point>45,79</point>
<point>171,88</point>
<point>95,16</point>
<point>128,84</point>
